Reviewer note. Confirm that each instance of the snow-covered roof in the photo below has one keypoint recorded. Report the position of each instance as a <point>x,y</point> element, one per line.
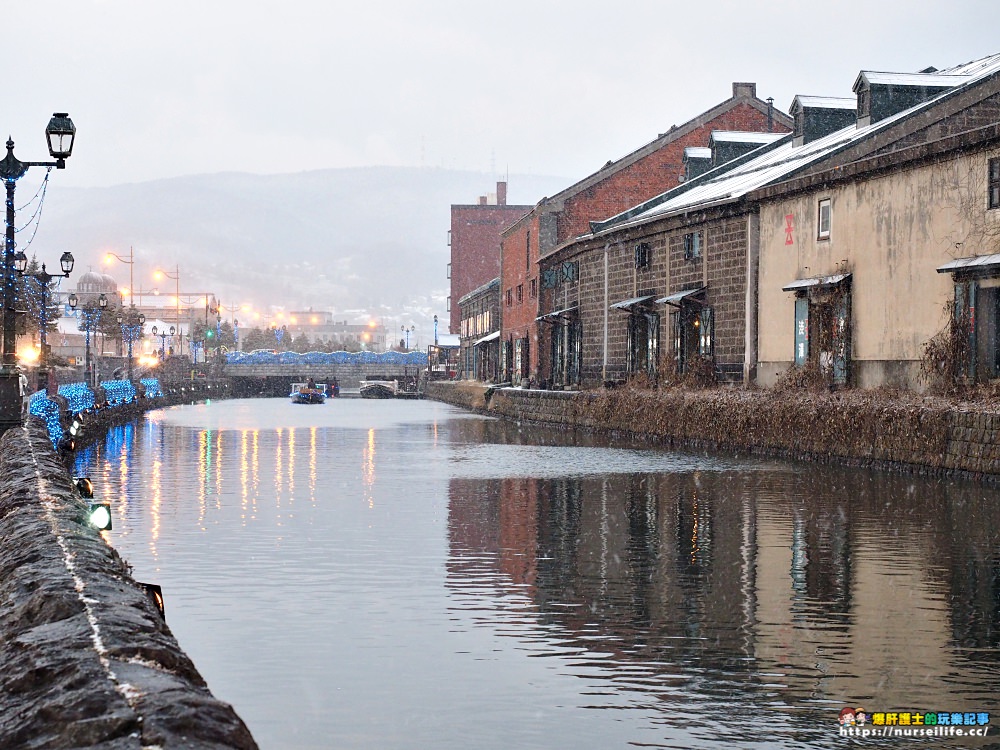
<point>776,162</point>
<point>487,338</point>
<point>697,152</point>
<point>826,102</point>
<point>480,290</point>
<point>913,79</point>
<point>981,262</point>
<point>815,281</point>
<point>740,136</point>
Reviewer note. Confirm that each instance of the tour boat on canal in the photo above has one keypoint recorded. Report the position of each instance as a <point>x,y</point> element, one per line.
<point>308,393</point>
<point>379,388</point>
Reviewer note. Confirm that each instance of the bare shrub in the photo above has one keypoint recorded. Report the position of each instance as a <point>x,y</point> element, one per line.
<point>809,377</point>
<point>946,356</point>
<point>699,373</point>
<point>640,381</point>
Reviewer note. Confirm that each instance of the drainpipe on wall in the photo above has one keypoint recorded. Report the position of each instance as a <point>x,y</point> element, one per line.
<point>604,356</point>
<point>751,301</point>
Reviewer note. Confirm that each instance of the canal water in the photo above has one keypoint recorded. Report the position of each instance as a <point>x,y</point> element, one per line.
<point>401,574</point>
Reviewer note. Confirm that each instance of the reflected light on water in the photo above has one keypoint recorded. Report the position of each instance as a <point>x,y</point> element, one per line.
<point>155,485</point>
<point>290,471</point>
<point>218,468</point>
<point>313,432</point>
<point>279,480</point>
<point>203,458</point>
<point>368,469</point>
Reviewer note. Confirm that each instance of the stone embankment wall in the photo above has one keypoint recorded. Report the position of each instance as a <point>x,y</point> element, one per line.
<point>858,427</point>
<point>87,660</point>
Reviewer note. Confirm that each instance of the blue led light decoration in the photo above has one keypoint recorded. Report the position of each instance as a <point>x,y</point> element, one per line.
<point>327,358</point>
<point>46,409</point>
<point>152,386</point>
<point>119,392</point>
<point>79,397</point>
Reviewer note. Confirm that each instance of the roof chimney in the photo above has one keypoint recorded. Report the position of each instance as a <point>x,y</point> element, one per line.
<point>744,89</point>
<point>501,193</point>
<point>482,200</point>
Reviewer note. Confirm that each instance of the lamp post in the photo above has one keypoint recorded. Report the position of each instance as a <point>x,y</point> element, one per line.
<point>176,276</point>
<point>407,331</point>
<point>163,340</point>
<point>435,330</point>
<point>60,133</point>
<point>112,257</point>
<point>44,279</point>
<point>130,332</point>
<point>91,320</point>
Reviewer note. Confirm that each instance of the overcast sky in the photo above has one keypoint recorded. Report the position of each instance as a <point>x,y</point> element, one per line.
<point>553,88</point>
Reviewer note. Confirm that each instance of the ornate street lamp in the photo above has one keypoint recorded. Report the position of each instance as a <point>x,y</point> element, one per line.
<point>60,134</point>
<point>44,279</point>
<point>91,320</point>
<point>163,339</point>
<point>407,331</point>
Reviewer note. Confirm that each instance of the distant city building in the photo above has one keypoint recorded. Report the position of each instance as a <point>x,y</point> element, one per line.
<point>322,328</point>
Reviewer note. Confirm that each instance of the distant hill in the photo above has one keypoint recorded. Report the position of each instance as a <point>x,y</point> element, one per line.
<point>371,240</point>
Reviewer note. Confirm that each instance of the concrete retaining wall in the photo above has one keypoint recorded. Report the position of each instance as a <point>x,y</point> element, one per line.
<point>858,427</point>
<point>87,660</point>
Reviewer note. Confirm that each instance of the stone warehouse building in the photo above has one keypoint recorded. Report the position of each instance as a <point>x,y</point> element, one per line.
<point>479,332</point>
<point>619,185</point>
<point>867,253</point>
<point>673,283</point>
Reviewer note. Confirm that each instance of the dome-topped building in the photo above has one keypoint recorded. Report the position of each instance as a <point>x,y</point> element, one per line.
<point>92,284</point>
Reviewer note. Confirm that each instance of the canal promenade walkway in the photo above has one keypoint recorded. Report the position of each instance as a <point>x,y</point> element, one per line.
<point>87,659</point>
<point>899,431</point>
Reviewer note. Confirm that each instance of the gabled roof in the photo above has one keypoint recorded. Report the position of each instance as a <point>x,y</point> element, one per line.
<point>739,97</point>
<point>779,161</point>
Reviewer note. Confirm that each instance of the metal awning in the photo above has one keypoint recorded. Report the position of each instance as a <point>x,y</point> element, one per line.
<point>981,263</point>
<point>676,298</point>
<point>557,314</point>
<point>628,304</point>
<point>816,282</point>
<point>488,337</point>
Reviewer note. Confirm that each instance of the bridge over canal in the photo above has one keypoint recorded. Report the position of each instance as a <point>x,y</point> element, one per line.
<point>274,373</point>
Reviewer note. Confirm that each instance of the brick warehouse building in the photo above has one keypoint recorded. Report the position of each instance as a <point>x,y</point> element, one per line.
<point>619,185</point>
<point>474,239</point>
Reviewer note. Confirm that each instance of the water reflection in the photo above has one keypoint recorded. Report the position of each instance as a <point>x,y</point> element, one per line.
<point>798,592</point>
<point>557,590</point>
